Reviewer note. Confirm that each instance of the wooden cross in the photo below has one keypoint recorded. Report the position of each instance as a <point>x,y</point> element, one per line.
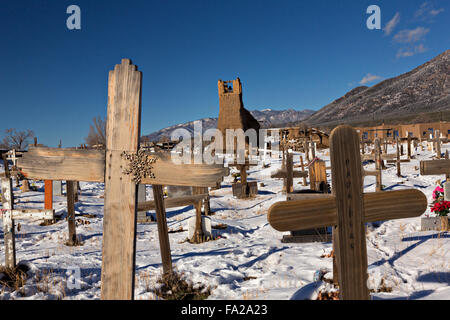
<point>435,167</point>
<point>347,208</point>
<point>9,214</point>
<point>437,143</point>
<point>242,167</point>
<point>288,174</point>
<point>13,156</point>
<point>318,175</point>
<point>121,167</point>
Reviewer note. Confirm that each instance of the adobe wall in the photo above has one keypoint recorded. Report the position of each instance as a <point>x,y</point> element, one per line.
<point>232,114</point>
<point>418,130</point>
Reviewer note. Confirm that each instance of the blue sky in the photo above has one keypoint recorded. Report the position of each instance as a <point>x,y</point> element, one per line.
<point>288,54</point>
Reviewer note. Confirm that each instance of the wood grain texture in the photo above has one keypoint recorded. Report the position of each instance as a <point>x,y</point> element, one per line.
<point>434,167</point>
<point>348,190</point>
<point>70,194</point>
<point>279,174</point>
<point>289,171</point>
<point>384,156</point>
<point>63,164</point>
<point>89,165</point>
<point>398,162</point>
<point>8,222</point>
<point>163,233</point>
<point>317,211</point>
<point>300,213</point>
<point>303,170</point>
<point>119,222</point>
<point>317,174</point>
<point>379,164</point>
<point>46,214</point>
<point>173,202</point>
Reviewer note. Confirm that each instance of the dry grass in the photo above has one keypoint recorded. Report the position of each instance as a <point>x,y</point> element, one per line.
<point>174,287</point>
<point>382,288</point>
<point>333,295</point>
<point>13,278</point>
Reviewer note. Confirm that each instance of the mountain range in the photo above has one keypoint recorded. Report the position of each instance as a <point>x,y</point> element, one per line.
<point>266,117</point>
<point>425,89</point>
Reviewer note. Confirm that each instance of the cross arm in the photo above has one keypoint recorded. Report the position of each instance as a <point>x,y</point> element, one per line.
<point>89,165</point>
<point>322,212</point>
<point>283,174</point>
<point>365,157</point>
<point>18,214</point>
<point>431,167</point>
<point>173,202</point>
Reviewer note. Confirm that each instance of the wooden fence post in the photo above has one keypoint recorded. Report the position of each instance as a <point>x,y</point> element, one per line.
<point>378,164</point>
<point>438,144</point>
<point>409,147</point>
<point>399,174</point>
<point>303,170</point>
<point>198,231</point>
<point>8,222</point>
<point>163,233</point>
<point>289,173</point>
<point>71,213</point>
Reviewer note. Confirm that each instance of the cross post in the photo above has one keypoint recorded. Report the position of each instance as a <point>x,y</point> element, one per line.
<point>347,208</point>
<point>121,167</point>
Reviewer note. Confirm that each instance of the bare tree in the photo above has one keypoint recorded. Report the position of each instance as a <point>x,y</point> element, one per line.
<point>16,139</point>
<point>97,132</point>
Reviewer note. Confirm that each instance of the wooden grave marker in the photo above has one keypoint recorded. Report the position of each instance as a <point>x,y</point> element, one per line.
<point>347,208</point>
<point>318,175</point>
<point>121,167</point>
<point>288,174</point>
<point>9,214</point>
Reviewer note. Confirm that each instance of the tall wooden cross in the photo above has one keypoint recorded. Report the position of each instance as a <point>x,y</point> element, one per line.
<point>121,167</point>
<point>347,208</point>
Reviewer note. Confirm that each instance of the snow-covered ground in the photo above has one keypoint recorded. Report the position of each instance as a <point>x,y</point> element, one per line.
<point>248,261</point>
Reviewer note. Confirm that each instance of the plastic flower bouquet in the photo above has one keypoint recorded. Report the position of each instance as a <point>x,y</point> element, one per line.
<point>441,208</point>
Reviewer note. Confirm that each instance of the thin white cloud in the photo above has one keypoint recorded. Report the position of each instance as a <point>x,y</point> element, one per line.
<point>369,78</point>
<point>436,12</point>
<point>390,26</point>
<point>427,11</point>
<point>411,35</point>
<point>410,51</point>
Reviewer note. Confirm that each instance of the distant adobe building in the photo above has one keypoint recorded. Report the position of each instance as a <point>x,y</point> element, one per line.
<point>232,114</point>
<point>416,130</point>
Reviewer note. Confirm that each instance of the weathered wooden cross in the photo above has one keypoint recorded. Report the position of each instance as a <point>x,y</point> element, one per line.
<point>243,189</point>
<point>9,214</point>
<point>437,143</point>
<point>318,175</point>
<point>379,158</point>
<point>121,167</point>
<point>435,167</point>
<point>347,208</point>
<point>288,174</point>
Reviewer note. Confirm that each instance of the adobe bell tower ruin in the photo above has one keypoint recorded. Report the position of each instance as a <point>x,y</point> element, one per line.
<point>232,114</point>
